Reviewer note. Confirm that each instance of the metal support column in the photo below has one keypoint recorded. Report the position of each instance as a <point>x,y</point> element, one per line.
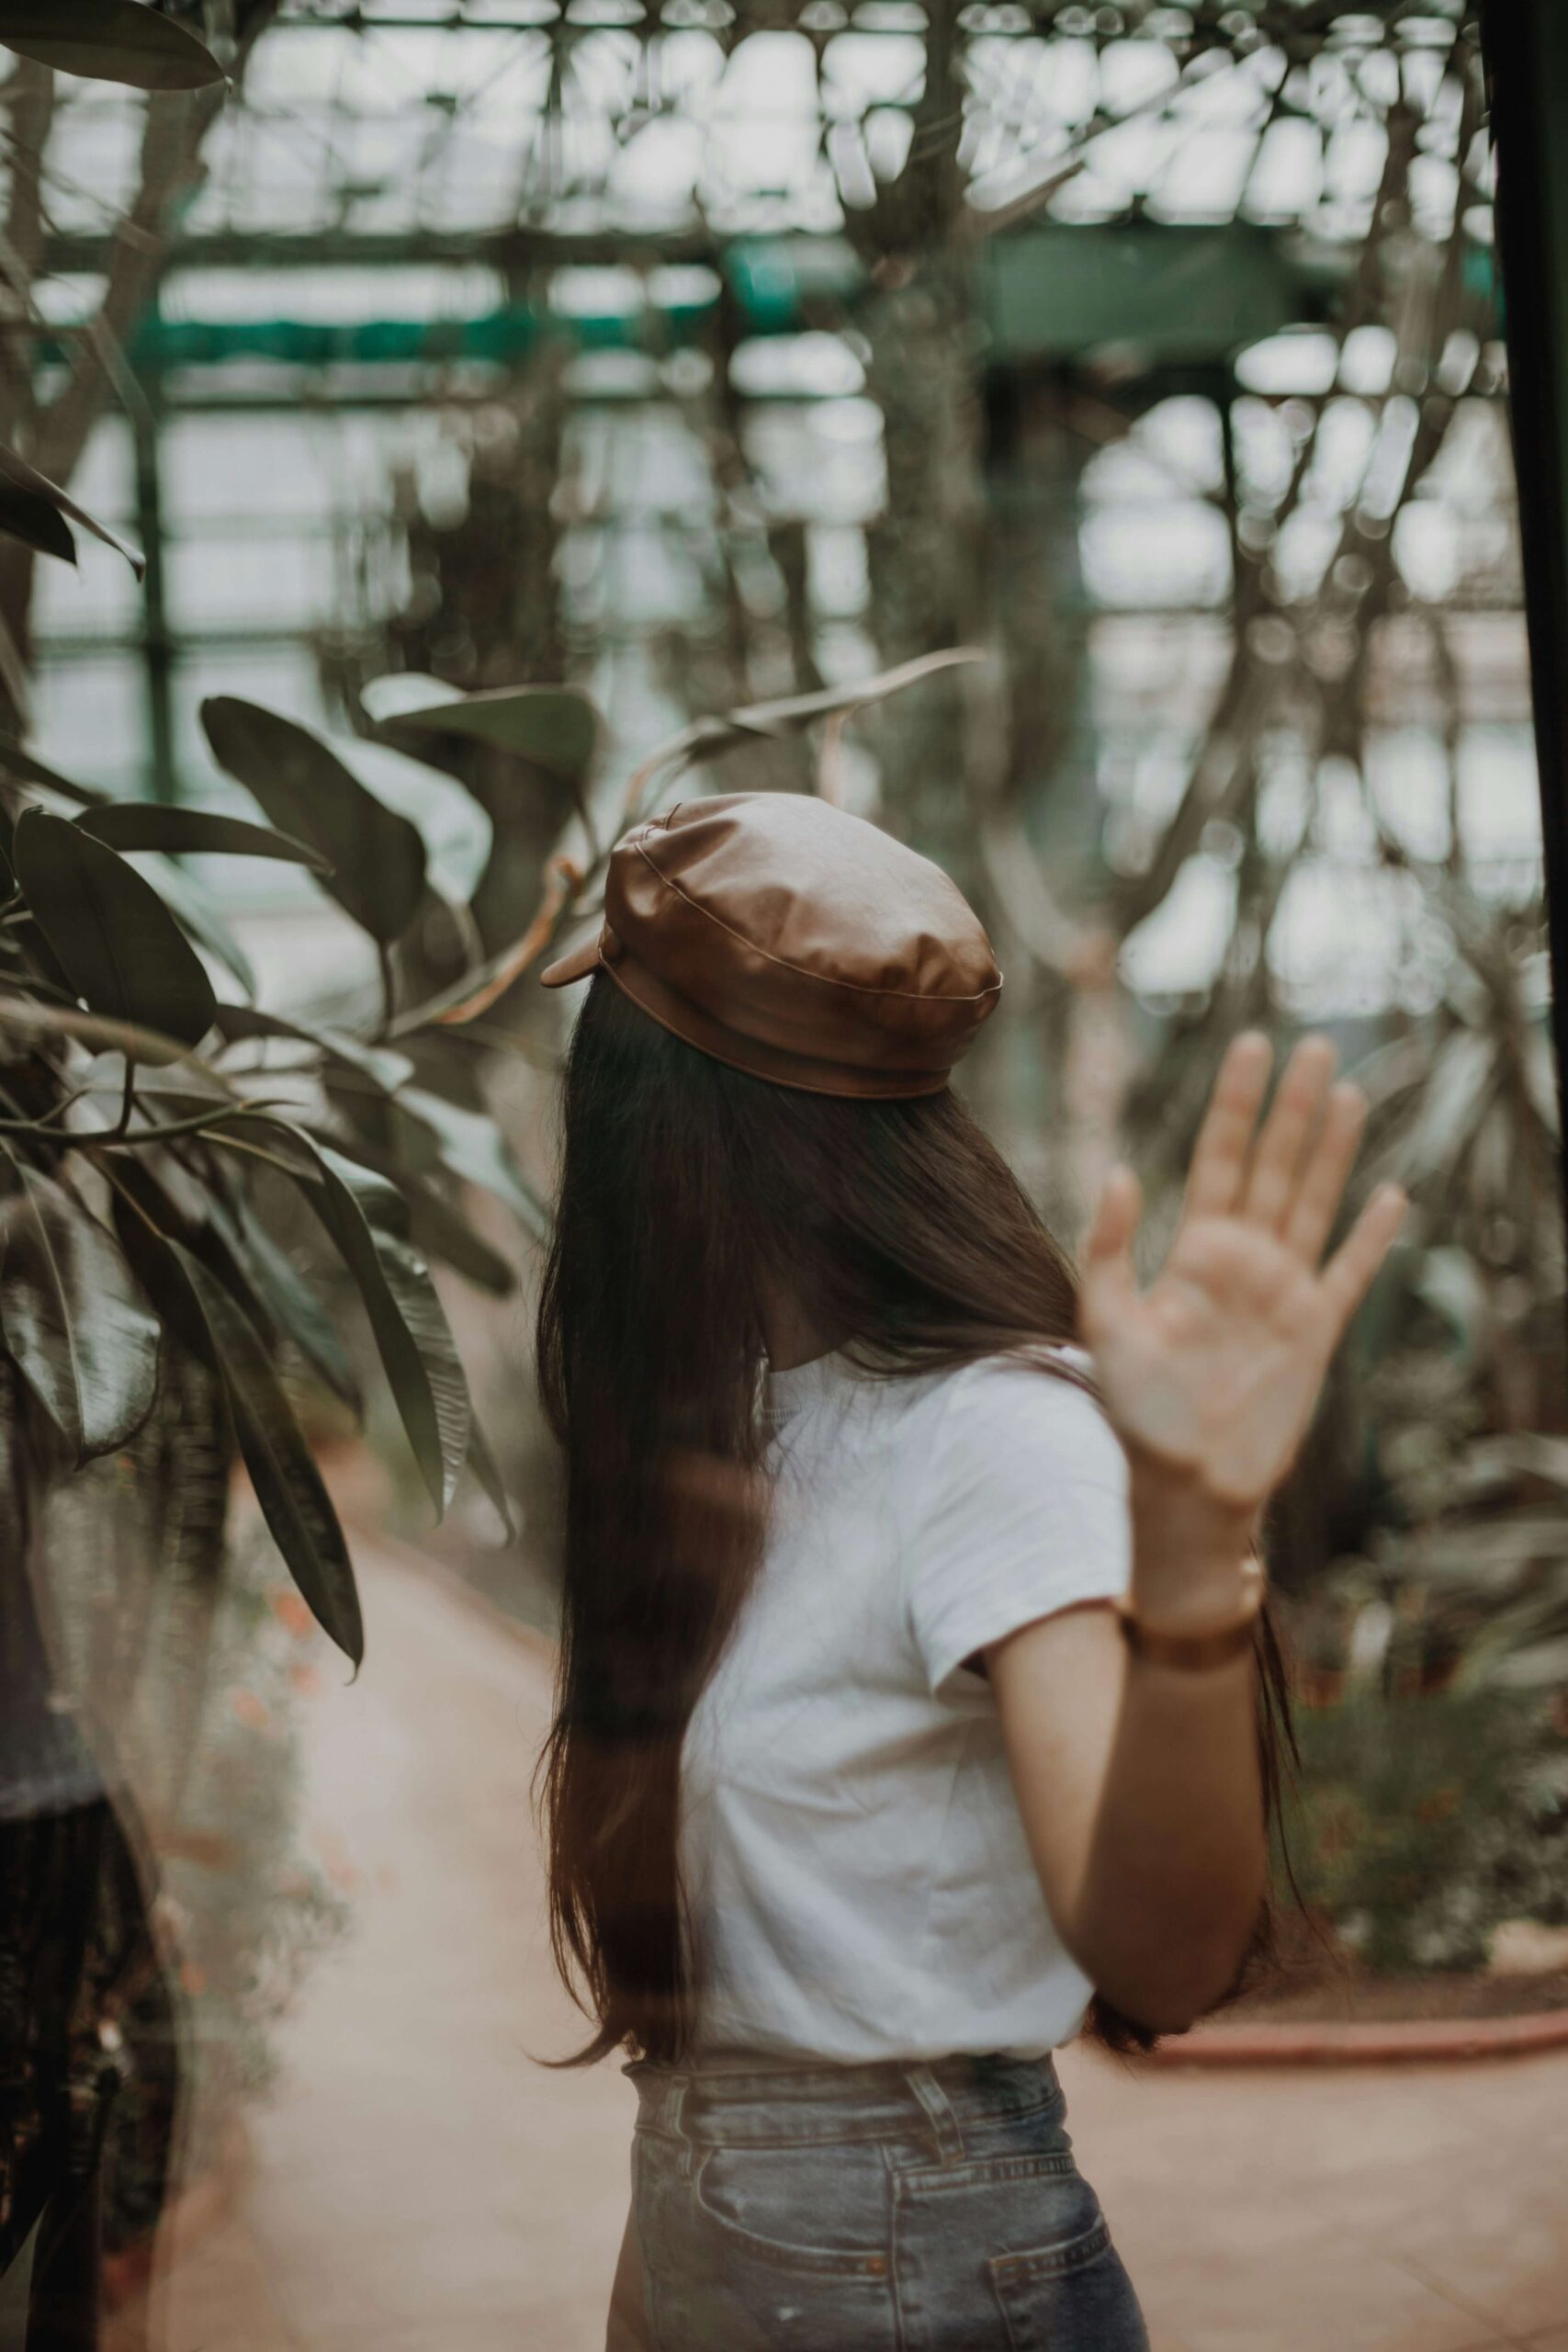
<point>1527,61</point>
<point>157,652</point>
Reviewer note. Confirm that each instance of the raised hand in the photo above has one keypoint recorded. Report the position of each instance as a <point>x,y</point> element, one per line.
<point>1211,1374</point>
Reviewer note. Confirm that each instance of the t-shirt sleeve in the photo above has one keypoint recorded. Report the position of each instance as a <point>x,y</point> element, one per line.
<point>1021,1510</point>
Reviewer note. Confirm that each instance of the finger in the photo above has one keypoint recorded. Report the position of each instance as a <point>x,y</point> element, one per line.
<point>1219,1156</point>
<point>1348,1275</point>
<point>1326,1173</point>
<point>1276,1163</point>
<point>1109,1281</point>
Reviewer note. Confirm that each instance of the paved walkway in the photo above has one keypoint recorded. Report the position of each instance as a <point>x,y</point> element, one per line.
<point>422,2184</point>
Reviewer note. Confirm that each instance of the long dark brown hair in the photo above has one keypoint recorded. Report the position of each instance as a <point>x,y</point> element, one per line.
<point>690,1192</point>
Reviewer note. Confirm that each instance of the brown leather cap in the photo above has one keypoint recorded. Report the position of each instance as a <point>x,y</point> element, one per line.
<point>782,937</point>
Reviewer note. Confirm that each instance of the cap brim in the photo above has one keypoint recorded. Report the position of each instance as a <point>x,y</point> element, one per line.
<point>576,966</point>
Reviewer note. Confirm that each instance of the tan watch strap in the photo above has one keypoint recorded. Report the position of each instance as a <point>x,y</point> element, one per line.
<point>1205,1645</point>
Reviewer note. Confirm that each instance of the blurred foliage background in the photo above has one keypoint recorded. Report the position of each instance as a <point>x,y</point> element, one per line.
<point>710,358</point>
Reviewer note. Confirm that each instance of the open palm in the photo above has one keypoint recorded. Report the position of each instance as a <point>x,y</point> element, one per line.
<point>1214,1371</point>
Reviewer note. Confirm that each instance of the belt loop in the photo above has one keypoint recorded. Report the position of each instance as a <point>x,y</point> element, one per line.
<point>675,2103</point>
<point>939,2112</point>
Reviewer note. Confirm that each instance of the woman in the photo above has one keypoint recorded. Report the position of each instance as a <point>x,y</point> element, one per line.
<point>915,1688</point>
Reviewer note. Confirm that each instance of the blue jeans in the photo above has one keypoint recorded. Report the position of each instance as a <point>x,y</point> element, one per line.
<point>891,2208</point>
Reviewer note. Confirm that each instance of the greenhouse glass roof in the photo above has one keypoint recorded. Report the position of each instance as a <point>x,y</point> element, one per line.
<point>399,122</point>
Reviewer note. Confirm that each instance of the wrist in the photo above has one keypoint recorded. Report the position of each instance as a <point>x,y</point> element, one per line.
<point>1203,1597</point>
<point>1177,1517</point>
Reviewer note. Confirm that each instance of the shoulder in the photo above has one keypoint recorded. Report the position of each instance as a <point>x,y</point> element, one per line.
<point>1018,1415</point>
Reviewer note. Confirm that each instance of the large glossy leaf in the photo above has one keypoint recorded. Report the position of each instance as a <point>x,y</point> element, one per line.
<point>384,1068</point>
<point>36,511</point>
<point>121,948</point>
<point>73,1317</point>
<point>471,1146</point>
<point>108,40</point>
<point>454,825</point>
<point>293,1308</point>
<point>705,738</point>
<point>23,1016</point>
<point>482,1461</point>
<point>554,727</point>
<point>289,1487</point>
<point>18,761</point>
<point>377,856</point>
<point>790,712</point>
<point>198,912</point>
<point>424,1215</point>
<point>407,1275</point>
<point>161,825</point>
<point>364,1214</point>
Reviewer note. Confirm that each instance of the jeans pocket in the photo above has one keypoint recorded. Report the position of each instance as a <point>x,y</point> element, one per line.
<point>797,2210</point>
<point>1072,2295</point>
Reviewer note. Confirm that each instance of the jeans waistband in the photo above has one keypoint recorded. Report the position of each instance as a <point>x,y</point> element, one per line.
<point>796,2105</point>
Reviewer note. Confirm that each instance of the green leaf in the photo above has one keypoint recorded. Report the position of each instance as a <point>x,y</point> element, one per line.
<point>384,1068</point>
<point>73,1318</point>
<point>427,1217</point>
<point>377,858</point>
<point>471,1146</point>
<point>785,716</point>
<point>161,825</point>
<point>293,1307</point>
<point>119,944</point>
<point>196,910</point>
<point>289,1487</point>
<point>18,762</point>
<point>705,738</point>
<point>482,1461</point>
<point>554,727</point>
<point>33,508</point>
<point>35,521</point>
<point>367,1219</point>
<point>108,40</point>
<point>25,1017</point>
<point>425,1318</point>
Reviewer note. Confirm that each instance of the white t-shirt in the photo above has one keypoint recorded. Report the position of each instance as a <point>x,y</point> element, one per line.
<point>859,1880</point>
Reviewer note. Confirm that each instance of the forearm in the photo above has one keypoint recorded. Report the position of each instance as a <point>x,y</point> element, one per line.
<point>1174,1866</point>
<point>1140,1788</point>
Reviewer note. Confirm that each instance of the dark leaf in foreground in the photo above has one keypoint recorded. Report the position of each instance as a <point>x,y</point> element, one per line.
<point>385,1068</point>
<point>16,761</point>
<point>120,947</point>
<point>37,510</point>
<point>377,856</point>
<point>198,912</point>
<point>363,1214</point>
<point>471,1146</point>
<point>161,825</point>
<point>554,727</point>
<point>289,1487</point>
<point>290,1302</point>
<point>73,1318</point>
<point>108,40</point>
<point>482,1461</point>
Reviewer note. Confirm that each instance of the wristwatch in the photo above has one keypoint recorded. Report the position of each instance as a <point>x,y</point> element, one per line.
<point>1205,1645</point>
